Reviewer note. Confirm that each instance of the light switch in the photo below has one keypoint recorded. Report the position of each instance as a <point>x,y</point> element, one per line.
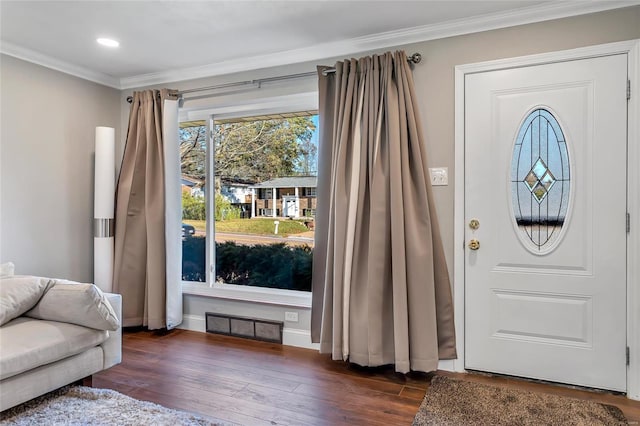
<point>439,176</point>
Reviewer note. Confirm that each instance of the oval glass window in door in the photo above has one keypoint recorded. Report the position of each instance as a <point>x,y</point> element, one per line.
<point>540,181</point>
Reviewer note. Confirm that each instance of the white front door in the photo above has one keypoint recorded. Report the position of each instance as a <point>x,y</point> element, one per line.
<point>545,179</point>
<point>289,206</point>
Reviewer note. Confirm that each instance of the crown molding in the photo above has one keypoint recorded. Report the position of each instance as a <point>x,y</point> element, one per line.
<point>545,12</point>
<point>11,49</point>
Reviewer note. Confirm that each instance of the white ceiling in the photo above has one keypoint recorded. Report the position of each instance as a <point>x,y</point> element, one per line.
<point>163,41</point>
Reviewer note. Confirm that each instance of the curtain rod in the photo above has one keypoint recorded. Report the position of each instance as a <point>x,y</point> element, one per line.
<point>414,59</point>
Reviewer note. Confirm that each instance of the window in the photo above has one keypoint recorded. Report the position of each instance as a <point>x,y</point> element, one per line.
<point>267,194</point>
<point>256,241</point>
<point>310,192</point>
<point>540,181</point>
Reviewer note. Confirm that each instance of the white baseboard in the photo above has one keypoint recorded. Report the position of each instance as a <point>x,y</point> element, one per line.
<point>446,365</point>
<point>290,336</point>
<point>193,323</point>
<point>298,338</point>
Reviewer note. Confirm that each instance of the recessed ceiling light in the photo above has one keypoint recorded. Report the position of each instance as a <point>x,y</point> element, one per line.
<point>108,42</point>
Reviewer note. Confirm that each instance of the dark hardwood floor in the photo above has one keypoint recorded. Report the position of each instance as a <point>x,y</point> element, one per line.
<point>257,383</point>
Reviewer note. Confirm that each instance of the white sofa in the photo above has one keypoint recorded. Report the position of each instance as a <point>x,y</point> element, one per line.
<point>40,355</point>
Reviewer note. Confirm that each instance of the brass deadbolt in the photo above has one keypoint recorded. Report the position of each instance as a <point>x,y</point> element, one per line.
<point>474,244</point>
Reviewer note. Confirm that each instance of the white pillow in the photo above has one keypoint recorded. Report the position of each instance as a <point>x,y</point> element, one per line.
<point>76,303</point>
<point>18,294</point>
<point>7,269</point>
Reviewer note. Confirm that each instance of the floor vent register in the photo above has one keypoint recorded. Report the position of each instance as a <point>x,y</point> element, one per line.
<point>249,328</point>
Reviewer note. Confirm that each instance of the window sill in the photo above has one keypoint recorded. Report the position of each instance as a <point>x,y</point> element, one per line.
<point>269,296</point>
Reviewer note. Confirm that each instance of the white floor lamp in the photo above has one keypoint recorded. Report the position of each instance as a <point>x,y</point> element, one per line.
<point>103,209</point>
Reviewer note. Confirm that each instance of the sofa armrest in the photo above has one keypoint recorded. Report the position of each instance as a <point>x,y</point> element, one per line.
<point>112,347</point>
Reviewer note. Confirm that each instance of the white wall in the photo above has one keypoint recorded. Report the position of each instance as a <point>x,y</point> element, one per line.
<point>47,122</point>
<point>434,81</point>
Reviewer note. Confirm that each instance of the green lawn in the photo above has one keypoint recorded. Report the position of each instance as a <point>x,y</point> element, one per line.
<point>254,226</point>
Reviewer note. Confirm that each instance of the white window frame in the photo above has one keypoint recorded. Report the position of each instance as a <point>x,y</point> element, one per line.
<point>306,101</point>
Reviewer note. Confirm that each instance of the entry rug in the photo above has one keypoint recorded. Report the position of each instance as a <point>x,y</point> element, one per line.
<point>450,402</point>
<point>79,405</point>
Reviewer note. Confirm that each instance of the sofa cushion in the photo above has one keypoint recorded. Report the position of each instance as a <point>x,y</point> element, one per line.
<point>18,294</point>
<point>7,269</point>
<point>76,303</point>
<point>26,343</point>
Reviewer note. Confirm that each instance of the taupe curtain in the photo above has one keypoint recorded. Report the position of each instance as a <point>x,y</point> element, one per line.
<point>140,243</point>
<point>381,290</point>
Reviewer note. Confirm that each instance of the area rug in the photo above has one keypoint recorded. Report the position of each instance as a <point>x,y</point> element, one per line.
<point>450,402</point>
<point>79,405</point>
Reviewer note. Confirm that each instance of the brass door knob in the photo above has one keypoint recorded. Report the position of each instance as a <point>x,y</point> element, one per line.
<point>474,244</point>
<point>474,224</point>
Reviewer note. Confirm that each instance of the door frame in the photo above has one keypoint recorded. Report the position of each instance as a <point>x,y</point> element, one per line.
<point>632,49</point>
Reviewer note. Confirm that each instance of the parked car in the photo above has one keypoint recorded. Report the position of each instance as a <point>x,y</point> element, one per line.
<point>187,231</point>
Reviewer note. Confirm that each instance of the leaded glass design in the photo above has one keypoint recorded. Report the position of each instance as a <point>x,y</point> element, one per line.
<point>540,179</point>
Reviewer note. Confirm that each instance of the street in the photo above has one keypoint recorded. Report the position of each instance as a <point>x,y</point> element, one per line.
<point>305,238</point>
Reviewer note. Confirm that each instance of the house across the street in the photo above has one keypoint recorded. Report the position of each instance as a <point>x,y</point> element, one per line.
<point>238,192</point>
<point>192,185</point>
<point>293,196</point>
